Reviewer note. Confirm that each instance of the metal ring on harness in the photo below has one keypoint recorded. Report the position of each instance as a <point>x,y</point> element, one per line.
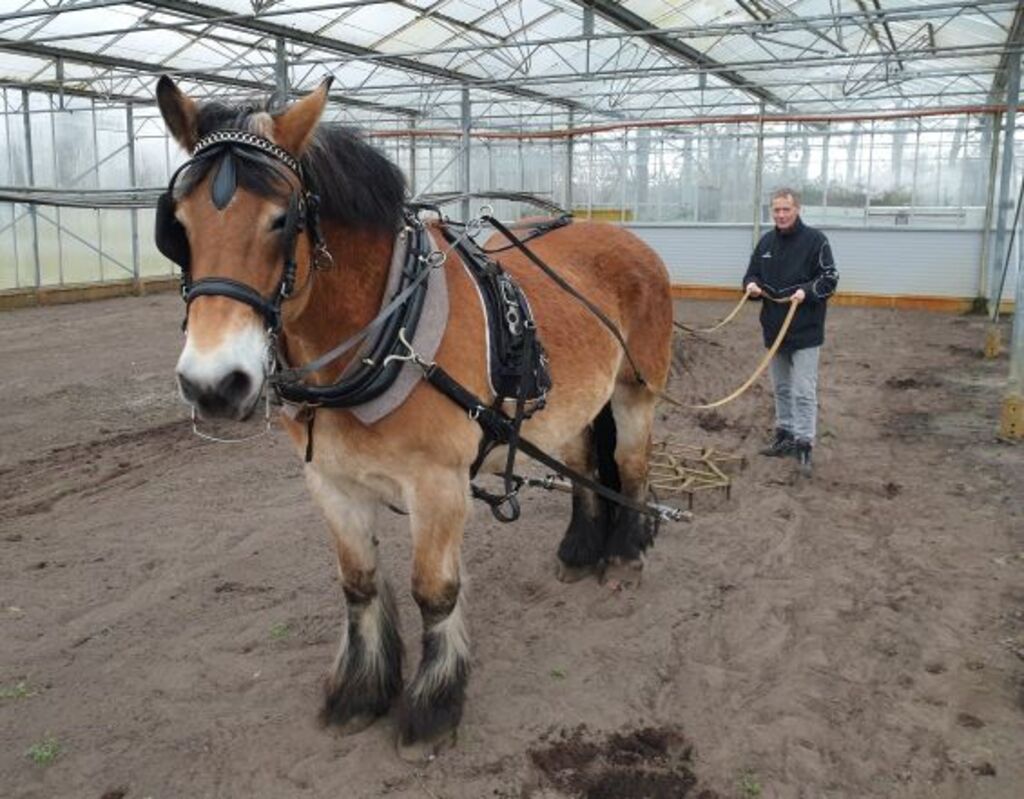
<point>514,321</point>
<point>498,501</point>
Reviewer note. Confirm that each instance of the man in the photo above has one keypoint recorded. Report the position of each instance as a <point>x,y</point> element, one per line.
<point>793,262</point>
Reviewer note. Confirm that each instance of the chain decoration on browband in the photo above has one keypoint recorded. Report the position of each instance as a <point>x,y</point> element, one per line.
<point>247,139</point>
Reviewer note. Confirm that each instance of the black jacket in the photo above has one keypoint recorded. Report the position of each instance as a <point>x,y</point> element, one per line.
<point>784,262</point>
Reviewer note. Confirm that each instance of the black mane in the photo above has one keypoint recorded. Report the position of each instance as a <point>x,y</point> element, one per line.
<point>357,185</point>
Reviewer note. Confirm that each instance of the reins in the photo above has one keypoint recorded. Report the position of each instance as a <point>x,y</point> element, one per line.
<point>719,324</point>
<point>767,359</point>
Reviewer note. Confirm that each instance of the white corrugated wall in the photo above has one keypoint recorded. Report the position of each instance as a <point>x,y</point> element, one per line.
<point>934,263</point>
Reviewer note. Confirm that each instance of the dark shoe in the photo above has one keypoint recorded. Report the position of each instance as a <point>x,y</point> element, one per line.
<point>781,446</point>
<point>803,458</point>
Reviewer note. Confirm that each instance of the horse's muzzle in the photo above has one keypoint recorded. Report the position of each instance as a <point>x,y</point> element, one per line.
<point>233,396</point>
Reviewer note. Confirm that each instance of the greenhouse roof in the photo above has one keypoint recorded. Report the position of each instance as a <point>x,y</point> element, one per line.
<point>526,63</point>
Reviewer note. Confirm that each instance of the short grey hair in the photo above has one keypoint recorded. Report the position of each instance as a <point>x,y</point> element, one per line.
<point>785,191</point>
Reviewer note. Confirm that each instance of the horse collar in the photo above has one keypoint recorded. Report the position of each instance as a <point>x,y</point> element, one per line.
<point>378,363</point>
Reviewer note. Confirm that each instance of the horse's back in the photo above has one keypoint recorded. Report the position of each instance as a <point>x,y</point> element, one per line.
<point>616,271</point>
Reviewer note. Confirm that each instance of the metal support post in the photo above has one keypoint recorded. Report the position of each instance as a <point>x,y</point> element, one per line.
<point>917,161</point>
<point>130,121</point>
<point>623,174</point>
<point>660,177</point>
<point>696,182</point>
<point>551,169</point>
<point>759,175</point>
<point>569,146</point>
<point>464,162</point>
<point>1005,179</point>
<point>412,158</point>
<point>57,181</point>
<point>1011,423</point>
<point>30,172</point>
<point>489,151</point>
<point>824,172</point>
<point>96,173</point>
<point>281,84</point>
<point>992,134</point>
<point>11,172</point>
<point>641,193</point>
<point>590,178</point>
<point>871,164</point>
<point>522,165</point>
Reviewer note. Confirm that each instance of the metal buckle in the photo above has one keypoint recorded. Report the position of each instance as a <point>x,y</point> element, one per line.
<point>322,258</point>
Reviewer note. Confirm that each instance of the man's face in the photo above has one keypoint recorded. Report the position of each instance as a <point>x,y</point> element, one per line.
<point>785,210</point>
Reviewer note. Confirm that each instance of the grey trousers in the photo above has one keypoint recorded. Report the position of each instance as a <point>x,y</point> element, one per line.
<point>795,377</point>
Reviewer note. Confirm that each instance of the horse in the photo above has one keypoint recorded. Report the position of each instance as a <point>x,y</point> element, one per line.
<point>266,275</point>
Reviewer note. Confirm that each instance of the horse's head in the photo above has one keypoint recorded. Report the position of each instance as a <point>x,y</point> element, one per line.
<point>242,225</point>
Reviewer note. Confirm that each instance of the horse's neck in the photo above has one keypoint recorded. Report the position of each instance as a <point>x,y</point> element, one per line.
<point>344,298</point>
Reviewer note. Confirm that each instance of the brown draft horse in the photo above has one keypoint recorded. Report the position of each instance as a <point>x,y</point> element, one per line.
<point>417,458</point>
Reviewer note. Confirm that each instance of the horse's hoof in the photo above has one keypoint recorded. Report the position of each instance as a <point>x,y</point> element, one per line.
<point>425,751</point>
<point>621,573</point>
<point>572,574</point>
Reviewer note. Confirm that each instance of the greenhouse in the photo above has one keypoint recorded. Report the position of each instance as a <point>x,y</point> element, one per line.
<point>675,119</point>
<point>512,399</point>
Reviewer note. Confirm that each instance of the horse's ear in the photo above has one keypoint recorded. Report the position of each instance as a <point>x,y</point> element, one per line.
<point>179,111</point>
<point>294,128</point>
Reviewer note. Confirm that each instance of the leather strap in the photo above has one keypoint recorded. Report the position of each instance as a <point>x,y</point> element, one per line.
<point>235,290</point>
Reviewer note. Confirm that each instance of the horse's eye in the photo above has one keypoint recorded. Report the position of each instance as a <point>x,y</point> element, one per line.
<point>278,222</point>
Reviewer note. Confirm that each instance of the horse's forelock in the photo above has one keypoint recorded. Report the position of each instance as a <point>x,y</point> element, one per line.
<point>251,116</point>
<point>255,173</point>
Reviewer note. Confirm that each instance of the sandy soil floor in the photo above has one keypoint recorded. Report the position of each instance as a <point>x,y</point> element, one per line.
<point>168,605</point>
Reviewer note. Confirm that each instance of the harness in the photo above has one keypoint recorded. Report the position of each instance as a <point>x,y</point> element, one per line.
<point>519,370</point>
<point>518,373</point>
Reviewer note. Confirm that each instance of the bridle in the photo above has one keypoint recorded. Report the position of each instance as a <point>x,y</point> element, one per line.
<point>303,214</point>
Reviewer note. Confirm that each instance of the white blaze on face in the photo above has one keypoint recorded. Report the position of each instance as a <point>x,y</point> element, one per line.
<point>223,377</point>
